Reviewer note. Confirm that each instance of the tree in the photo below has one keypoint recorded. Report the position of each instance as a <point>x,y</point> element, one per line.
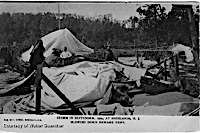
<point>6,35</point>
<point>193,31</point>
<point>179,25</point>
<point>152,17</point>
<point>48,23</point>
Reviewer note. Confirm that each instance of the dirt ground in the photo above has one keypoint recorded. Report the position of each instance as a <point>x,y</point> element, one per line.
<point>6,78</point>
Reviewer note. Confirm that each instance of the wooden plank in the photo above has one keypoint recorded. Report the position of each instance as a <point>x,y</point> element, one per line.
<point>137,55</point>
<point>38,88</point>
<point>160,63</point>
<point>176,64</point>
<point>154,50</point>
<point>153,76</point>
<point>193,112</point>
<point>136,91</point>
<point>159,72</point>
<point>146,80</point>
<point>187,64</point>
<point>165,70</point>
<point>61,95</point>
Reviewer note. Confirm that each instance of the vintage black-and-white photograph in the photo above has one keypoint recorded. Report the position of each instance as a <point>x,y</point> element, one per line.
<point>99,58</point>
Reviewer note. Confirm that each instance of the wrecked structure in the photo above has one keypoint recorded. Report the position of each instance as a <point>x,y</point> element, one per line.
<point>100,88</point>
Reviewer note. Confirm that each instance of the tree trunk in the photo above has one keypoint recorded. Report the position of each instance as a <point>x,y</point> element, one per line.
<point>194,38</point>
<point>194,35</point>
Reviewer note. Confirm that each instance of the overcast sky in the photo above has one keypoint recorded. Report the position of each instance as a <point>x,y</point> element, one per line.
<point>119,11</point>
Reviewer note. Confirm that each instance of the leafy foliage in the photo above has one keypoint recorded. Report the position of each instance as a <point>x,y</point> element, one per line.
<point>153,28</point>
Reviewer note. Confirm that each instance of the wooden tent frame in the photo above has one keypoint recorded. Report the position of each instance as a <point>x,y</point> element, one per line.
<point>174,57</point>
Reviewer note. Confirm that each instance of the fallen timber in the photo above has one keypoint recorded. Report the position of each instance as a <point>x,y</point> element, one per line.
<point>173,57</point>
<point>176,65</point>
<point>161,62</point>
<point>146,50</point>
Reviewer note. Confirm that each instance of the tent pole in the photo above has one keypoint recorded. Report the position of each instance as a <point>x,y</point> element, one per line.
<point>137,56</point>
<point>151,67</point>
<point>165,69</point>
<point>58,16</point>
<point>38,87</point>
<point>176,64</point>
<point>61,95</point>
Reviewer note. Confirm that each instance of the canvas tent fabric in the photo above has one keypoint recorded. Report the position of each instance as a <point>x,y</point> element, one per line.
<point>60,39</point>
<point>188,51</point>
<point>88,82</point>
<point>82,83</point>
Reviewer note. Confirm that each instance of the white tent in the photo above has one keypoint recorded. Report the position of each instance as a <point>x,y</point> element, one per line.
<point>188,51</point>
<point>60,39</point>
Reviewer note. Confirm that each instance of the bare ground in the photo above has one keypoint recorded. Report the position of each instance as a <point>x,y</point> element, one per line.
<point>6,78</point>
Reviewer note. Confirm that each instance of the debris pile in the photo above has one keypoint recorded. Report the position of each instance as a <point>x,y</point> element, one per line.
<point>104,88</point>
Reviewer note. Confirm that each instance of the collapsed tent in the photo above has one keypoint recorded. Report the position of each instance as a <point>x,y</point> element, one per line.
<point>60,39</point>
<point>89,87</point>
<point>82,83</point>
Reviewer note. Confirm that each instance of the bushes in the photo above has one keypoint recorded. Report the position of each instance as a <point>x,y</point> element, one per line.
<point>124,52</point>
<point>150,55</point>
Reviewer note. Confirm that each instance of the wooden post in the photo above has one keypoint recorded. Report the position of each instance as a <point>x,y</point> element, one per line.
<point>137,55</point>
<point>61,95</point>
<point>193,31</point>
<point>151,67</point>
<point>58,16</point>
<point>38,88</point>
<point>165,69</point>
<point>176,64</point>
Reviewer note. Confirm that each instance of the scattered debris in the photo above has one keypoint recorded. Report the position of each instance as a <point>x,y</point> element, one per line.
<point>105,88</point>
